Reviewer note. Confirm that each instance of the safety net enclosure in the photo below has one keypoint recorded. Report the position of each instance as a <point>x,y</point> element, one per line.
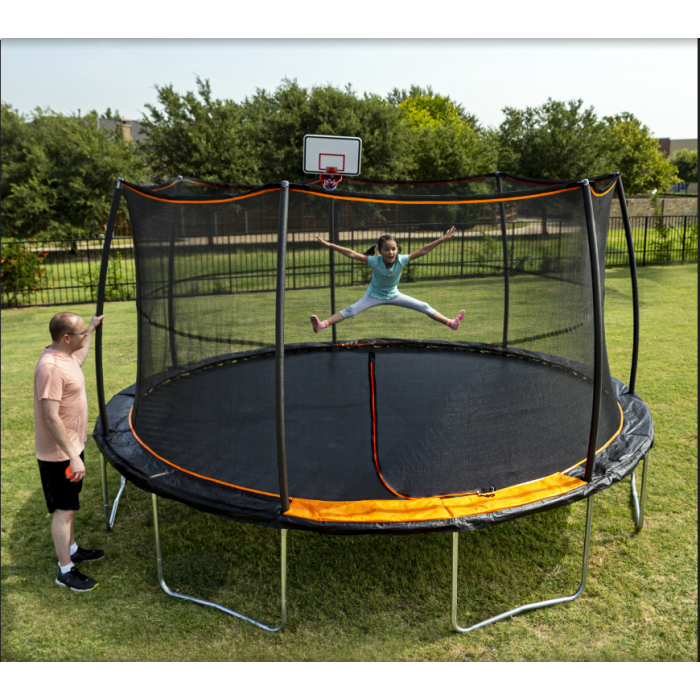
<point>388,422</point>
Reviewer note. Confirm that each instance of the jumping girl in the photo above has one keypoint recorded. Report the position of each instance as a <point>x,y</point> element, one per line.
<point>386,271</point>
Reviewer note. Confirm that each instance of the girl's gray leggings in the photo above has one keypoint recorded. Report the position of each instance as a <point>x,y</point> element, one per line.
<point>368,302</point>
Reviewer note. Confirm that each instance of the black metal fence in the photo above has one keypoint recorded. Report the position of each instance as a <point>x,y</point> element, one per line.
<point>71,268</point>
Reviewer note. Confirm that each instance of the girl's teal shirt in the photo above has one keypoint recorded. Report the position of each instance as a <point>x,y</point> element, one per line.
<point>385,279</point>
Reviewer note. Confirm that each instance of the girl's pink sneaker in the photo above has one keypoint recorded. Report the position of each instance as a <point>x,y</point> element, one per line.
<point>318,325</point>
<point>454,323</point>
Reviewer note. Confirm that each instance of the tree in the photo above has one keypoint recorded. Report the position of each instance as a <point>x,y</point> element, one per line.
<point>557,141</point>
<point>58,174</point>
<point>686,163</point>
<point>447,141</point>
<point>277,123</point>
<point>261,139</point>
<point>198,136</point>
<point>635,153</point>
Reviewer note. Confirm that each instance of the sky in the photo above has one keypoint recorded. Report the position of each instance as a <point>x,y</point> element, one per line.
<point>654,79</point>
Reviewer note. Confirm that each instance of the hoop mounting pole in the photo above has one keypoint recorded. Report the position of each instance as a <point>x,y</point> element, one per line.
<point>332,236</point>
<point>598,328</point>
<point>279,346</point>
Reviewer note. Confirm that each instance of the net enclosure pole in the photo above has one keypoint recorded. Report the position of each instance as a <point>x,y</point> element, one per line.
<point>596,284</point>
<point>331,252</point>
<point>279,345</point>
<point>102,283</point>
<point>633,275</point>
<point>506,280</point>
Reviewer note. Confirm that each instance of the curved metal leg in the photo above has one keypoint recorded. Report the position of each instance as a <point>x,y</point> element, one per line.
<point>110,517</point>
<point>164,586</point>
<point>639,509</point>
<point>530,606</point>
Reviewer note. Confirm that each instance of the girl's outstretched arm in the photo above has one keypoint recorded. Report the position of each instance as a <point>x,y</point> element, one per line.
<point>343,251</point>
<point>432,245</point>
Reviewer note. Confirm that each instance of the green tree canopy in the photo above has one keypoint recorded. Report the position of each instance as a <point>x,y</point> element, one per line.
<point>686,163</point>
<point>278,121</point>
<point>261,139</point>
<point>635,153</point>
<point>194,135</point>
<point>558,141</point>
<point>58,173</point>
<point>447,141</point>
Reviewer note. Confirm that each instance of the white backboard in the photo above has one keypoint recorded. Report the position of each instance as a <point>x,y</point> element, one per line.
<point>340,152</point>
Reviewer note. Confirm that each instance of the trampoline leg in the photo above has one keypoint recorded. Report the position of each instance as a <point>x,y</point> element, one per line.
<point>110,517</point>
<point>530,606</point>
<point>164,586</point>
<point>639,509</point>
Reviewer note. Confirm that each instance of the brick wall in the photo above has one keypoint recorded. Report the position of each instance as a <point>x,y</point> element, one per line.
<point>639,205</point>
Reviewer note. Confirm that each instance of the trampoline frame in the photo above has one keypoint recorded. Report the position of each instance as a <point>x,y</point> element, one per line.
<point>638,501</point>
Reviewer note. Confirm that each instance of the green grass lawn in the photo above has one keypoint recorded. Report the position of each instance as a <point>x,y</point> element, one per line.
<point>365,598</point>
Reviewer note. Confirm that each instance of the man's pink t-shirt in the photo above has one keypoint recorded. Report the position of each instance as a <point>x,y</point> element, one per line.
<point>58,377</point>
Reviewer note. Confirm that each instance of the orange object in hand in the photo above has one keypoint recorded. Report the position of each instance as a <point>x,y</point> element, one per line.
<point>68,473</point>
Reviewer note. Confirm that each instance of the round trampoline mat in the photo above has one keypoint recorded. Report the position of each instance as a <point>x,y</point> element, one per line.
<point>377,422</point>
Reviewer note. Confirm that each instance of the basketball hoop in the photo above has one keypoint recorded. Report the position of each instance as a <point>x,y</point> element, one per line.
<point>330,179</point>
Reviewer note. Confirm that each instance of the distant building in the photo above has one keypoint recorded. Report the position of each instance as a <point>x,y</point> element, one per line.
<point>671,146</point>
<point>131,129</point>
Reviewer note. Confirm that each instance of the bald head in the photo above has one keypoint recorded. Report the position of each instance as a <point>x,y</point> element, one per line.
<point>63,323</point>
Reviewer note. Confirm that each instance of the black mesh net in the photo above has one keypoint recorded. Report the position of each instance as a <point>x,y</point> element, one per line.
<point>399,405</point>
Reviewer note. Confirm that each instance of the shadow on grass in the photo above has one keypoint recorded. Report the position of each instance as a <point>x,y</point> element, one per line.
<point>339,587</point>
<point>366,582</point>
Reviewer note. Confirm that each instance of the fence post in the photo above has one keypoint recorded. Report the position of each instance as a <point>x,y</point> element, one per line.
<point>685,224</point>
<point>644,252</point>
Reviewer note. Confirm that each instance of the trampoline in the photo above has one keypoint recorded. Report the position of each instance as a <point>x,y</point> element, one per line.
<point>240,410</point>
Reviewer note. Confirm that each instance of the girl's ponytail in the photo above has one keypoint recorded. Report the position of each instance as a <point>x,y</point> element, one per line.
<point>377,248</point>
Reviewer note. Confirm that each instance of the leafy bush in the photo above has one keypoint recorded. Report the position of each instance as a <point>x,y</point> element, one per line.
<point>490,252</point>
<point>120,285</point>
<point>22,272</point>
<point>663,244</point>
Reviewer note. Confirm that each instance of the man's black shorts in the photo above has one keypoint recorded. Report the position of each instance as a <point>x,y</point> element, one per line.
<point>60,493</point>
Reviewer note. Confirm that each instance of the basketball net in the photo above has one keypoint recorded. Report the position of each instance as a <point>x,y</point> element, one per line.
<point>330,179</point>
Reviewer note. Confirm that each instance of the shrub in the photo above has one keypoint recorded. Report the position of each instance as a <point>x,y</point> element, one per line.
<point>22,272</point>
<point>120,286</point>
<point>664,243</point>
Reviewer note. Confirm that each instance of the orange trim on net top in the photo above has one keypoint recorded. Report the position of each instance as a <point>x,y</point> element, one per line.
<point>354,199</point>
<point>195,201</point>
<point>602,194</point>
<point>436,203</point>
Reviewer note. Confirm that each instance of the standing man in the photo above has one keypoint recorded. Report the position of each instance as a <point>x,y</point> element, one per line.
<point>60,432</point>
